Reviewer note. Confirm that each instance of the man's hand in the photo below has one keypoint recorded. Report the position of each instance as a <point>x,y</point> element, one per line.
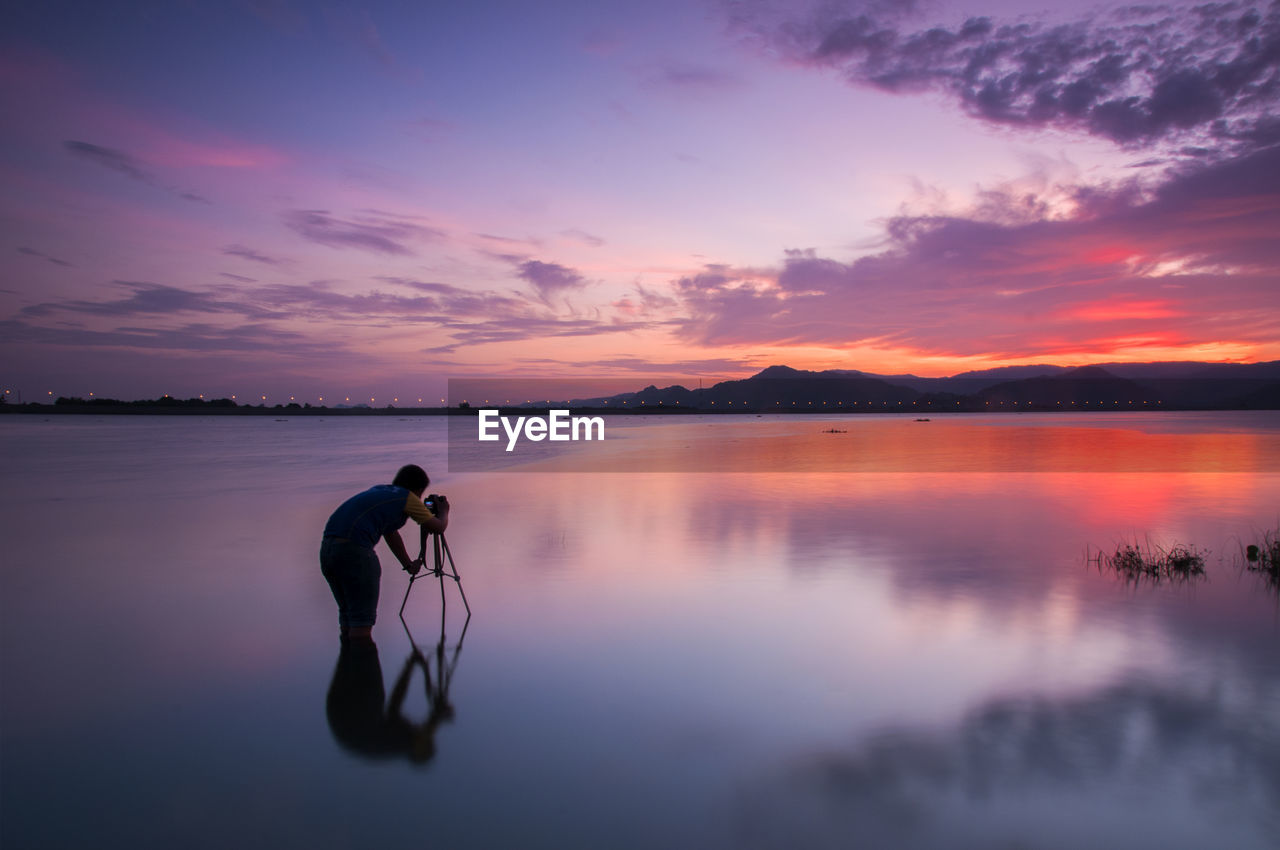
<point>413,566</point>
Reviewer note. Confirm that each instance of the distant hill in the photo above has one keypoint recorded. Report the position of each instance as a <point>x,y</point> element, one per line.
<point>1119,386</point>
<point>1083,387</point>
<point>772,389</point>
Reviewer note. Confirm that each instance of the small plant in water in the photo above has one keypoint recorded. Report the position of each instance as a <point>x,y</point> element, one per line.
<point>1135,562</point>
<point>1128,559</point>
<point>1184,562</point>
<point>1264,557</point>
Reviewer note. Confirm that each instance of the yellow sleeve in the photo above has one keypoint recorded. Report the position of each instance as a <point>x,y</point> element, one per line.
<point>416,510</point>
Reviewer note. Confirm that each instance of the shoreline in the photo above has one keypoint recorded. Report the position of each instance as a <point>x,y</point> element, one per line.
<point>143,409</point>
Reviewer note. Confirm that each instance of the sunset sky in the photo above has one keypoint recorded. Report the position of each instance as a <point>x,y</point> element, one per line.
<point>276,197</point>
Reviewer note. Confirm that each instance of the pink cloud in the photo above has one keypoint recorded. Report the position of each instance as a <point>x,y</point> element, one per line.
<point>1192,263</point>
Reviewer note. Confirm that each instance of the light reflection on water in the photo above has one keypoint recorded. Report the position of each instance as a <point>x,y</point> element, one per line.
<point>696,659</point>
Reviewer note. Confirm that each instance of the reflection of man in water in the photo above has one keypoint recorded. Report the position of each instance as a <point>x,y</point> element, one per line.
<point>355,705</point>
<point>347,558</point>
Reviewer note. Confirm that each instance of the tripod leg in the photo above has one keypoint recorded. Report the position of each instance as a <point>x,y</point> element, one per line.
<point>456,578</point>
<point>440,573</point>
<point>408,588</point>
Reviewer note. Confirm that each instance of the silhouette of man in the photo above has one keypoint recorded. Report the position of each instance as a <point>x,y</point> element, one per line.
<point>347,559</point>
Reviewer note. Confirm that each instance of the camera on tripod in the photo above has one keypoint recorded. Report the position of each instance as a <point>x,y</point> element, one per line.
<point>435,500</point>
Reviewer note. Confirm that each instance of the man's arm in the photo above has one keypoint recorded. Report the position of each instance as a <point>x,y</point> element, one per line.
<point>396,545</point>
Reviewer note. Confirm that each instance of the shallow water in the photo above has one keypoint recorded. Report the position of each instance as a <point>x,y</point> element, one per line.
<point>890,657</point>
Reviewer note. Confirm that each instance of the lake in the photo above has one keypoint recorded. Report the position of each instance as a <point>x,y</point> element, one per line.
<point>705,632</point>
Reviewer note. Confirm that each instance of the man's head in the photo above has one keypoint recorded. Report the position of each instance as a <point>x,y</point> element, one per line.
<point>413,478</point>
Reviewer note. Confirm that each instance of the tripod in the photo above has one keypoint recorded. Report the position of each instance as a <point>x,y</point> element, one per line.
<point>440,548</point>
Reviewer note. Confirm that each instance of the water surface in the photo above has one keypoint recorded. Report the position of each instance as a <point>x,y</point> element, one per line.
<point>909,655</point>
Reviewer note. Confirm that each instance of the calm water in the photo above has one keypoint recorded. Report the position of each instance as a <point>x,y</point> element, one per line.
<point>914,654</point>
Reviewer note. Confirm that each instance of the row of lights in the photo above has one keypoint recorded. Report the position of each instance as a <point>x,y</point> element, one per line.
<point>263,397</point>
<point>396,400</point>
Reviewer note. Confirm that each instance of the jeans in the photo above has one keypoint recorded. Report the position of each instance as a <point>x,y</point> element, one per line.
<point>354,574</point>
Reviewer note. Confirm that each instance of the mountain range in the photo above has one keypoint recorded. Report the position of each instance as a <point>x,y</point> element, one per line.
<point>1108,386</point>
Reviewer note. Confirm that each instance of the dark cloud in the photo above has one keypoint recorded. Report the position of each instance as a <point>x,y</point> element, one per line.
<point>130,166</point>
<point>238,278</point>
<point>31,252</point>
<point>149,299</point>
<point>115,160</point>
<point>318,301</point>
<point>468,317</point>
<point>250,254</point>
<point>1137,75</point>
<point>197,337</point>
<point>529,327</point>
<point>549,279</point>
<point>695,78</point>
<point>1192,260</point>
<point>368,231</point>
<point>454,302</point>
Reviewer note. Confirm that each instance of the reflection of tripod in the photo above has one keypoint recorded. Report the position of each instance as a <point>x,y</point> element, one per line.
<point>421,734</point>
<point>440,548</point>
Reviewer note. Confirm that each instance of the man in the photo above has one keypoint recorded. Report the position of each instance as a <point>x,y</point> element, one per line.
<point>347,558</point>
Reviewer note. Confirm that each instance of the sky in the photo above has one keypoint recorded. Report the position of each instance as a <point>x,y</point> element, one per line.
<point>276,199</point>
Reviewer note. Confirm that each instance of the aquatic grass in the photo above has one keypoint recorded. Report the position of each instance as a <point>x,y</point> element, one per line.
<point>1264,557</point>
<point>1136,561</point>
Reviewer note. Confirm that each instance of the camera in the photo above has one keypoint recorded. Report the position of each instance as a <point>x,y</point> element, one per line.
<point>434,500</point>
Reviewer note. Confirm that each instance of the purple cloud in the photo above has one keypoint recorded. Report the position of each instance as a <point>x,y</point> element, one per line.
<point>123,163</point>
<point>250,254</point>
<point>376,232</point>
<point>31,252</point>
<point>149,299</point>
<point>109,158</point>
<point>645,303</point>
<point>695,78</point>
<point>466,316</point>
<point>526,327</point>
<point>1137,75</point>
<point>192,337</point>
<point>549,279</point>
<point>456,302</point>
